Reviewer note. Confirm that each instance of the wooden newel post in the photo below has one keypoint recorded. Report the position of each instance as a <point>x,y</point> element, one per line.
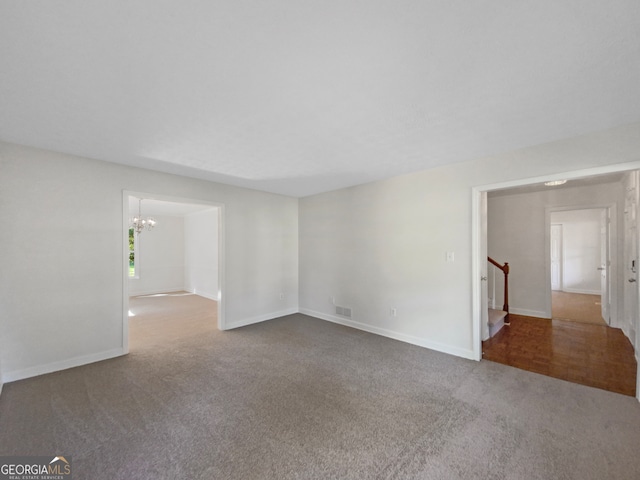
<point>505,270</point>
<point>505,307</point>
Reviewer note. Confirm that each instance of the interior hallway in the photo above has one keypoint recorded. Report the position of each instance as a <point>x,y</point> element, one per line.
<point>577,307</point>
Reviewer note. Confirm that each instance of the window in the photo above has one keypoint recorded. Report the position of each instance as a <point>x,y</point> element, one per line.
<point>132,253</point>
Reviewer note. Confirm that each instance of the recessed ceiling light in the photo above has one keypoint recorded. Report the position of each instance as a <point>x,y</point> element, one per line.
<point>555,183</point>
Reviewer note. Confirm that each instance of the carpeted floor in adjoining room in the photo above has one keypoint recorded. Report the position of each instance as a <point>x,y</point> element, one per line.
<point>157,321</point>
<point>298,397</point>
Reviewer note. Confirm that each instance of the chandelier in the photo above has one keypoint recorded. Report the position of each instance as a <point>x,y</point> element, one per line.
<point>138,223</point>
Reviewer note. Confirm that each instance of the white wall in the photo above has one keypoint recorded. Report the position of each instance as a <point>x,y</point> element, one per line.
<point>160,262</point>
<point>383,245</point>
<point>61,281</point>
<point>201,253</point>
<point>581,254</point>
<point>372,247</point>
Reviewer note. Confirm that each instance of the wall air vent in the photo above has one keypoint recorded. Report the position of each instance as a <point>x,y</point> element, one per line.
<point>343,311</point>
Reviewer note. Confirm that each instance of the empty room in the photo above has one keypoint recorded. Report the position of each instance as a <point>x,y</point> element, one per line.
<point>251,239</point>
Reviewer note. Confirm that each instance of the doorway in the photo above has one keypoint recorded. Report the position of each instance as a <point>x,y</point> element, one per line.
<point>174,271</point>
<point>479,253</point>
<point>580,264</point>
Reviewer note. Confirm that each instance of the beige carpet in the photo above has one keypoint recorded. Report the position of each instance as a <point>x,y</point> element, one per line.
<point>155,321</point>
<point>301,398</point>
<point>576,307</point>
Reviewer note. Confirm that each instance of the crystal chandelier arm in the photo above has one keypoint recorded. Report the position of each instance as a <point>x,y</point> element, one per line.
<point>138,223</point>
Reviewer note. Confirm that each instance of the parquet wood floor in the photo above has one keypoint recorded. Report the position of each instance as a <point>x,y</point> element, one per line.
<point>594,355</point>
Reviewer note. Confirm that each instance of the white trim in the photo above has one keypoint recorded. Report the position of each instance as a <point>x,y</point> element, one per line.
<point>222,318</point>
<point>204,295</point>
<point>144,293</point>
<point>125,247</point>
<point>421,342</point>
<point>1,385</point>
<point>476,272</point>
<point>125,271</point>
<point>169,292</point>
<point>572,175</point>
<point>61,365</point>
<point>626,329</point>
<point>583,292</point>
<point>528,313</point>
<point>261,318</point>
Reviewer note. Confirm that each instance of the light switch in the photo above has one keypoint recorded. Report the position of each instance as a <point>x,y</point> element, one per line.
<point>451,256</point>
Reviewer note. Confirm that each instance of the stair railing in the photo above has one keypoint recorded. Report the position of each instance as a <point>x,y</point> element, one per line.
<point>505,271</point>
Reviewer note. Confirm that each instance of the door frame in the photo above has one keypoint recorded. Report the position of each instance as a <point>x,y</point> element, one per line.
<point>478,242</point>
<point>560,253</point>
<point>125,254</point>
<point>612,254</point>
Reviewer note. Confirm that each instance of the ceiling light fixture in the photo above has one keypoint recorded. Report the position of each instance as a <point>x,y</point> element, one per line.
<point>555,183</point>
<point>138,223</point>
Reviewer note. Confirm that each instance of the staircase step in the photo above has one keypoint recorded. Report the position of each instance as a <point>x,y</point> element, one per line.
<point>496,316</point>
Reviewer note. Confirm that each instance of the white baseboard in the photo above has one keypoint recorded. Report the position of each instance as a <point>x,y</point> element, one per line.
<point>584,292</point>
<point>626,330</point>
<point>156,292</point>
<point>421,342</point>
<point>528,313</point>
<point>61,365</point>
<point>213,297</point>
<point>178,289</point>
<point>259,318</point>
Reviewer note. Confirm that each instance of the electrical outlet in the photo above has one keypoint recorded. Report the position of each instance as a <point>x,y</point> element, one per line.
<point>281,296</point>
<point>393,312</point>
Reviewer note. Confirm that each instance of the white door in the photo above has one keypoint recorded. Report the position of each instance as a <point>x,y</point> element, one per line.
<point>605,301</point>
<point>484,290</point>
<point>556,257</point>
<point>631,254</point>
<point>634,296</point>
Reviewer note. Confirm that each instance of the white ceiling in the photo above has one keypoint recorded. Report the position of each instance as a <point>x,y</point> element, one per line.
<point>300,97</point>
